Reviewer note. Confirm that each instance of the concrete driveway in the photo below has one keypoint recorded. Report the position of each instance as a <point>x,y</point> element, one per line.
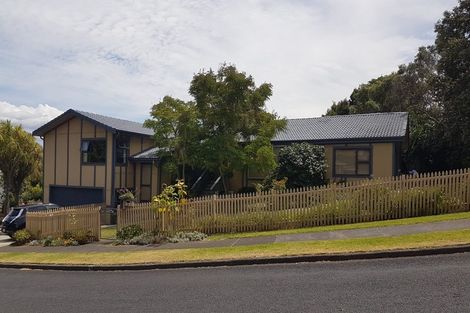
<point>5,240</point>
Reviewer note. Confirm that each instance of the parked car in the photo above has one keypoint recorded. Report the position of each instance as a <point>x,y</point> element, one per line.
<point>16,218</point>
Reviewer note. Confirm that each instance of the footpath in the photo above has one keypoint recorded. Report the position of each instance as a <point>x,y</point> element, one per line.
<point>388,231</point>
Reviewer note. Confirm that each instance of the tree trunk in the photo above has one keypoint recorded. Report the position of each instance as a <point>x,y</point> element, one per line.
<point>7,190</point>
<point>222,177</point>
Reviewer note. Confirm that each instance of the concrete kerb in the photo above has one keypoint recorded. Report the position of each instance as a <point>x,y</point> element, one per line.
<point>253,261</point>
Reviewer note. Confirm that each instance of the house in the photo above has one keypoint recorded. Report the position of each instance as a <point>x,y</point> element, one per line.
<point>357,146</point>
<point>88,157</point>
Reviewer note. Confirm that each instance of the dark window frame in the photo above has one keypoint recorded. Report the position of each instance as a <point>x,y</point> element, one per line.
<point>357,162</point>
<point>127,148</point>
<point>105,151</point>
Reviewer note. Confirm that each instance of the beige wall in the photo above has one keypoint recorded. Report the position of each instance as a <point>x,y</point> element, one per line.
<point>62,159</point>
<point>49,162</point>
<point>382,159</point>
<point>382,163</point>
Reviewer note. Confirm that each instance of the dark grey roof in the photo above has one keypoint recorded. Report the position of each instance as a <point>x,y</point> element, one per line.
<point>356,127</point>
<point>119,124</point>
<point>110,123</point>
<point>340,128</point>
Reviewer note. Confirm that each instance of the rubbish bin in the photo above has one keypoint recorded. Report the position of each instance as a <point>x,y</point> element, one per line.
<point>108,216</point>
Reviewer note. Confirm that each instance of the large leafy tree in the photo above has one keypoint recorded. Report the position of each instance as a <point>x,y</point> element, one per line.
<point>409,89</point>
<point>434,89</point>
<point>453,83</point>
<point>235,127</point>
<point>20,158</point>
<point>176,128</point>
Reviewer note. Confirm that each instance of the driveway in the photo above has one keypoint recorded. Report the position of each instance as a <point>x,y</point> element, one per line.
<point>5,240</point>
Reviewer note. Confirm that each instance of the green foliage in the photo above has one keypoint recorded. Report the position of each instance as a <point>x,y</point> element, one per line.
<point>171,198</point>
<point>186,236</point>
<point>125,194</point>
<point>22,237</point>
<point>82,236</point>
<point>269,183</point>
<point>236,129</point>
<point>389,204</point>
<point>69,238</point>
<point>150,238</point>
<point>176,130</point>
<point>453,83</point>
<point>434,89</point>
<point>20,158</point>
<point>129,232</point>
<point>146,238</point>
<point>303,165</point>
<point>32,193</point>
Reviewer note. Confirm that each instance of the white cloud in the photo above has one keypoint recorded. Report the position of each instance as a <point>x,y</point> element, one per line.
<point>30,117</point>
<point>119,57</point>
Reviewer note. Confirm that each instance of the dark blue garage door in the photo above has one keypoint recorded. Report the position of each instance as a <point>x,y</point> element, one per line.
<point>75,196</point>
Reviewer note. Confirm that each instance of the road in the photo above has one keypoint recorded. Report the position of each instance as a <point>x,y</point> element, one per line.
<point>422,284</point>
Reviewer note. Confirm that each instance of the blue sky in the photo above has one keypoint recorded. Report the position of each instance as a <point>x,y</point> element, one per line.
<point>119,57</point>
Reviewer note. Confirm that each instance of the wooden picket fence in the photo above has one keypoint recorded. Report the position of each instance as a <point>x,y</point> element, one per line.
<point>56,222</point>
<point>352,202</point>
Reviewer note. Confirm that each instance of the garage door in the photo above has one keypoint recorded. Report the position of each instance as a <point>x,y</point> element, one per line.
<point>75,196</point>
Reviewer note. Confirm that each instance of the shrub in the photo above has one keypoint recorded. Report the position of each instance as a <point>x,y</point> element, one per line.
<point>47,241</point>
<point>147,238</point>
<point>129,232</point>
<point>187,236</point>
<point>22,237</point>
<point>82,236</point>
<point>31,192</point>
<point>303,165</point>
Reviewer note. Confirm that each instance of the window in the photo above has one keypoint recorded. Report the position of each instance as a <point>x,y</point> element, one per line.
<point>122,150</point>
<point>93,151</point>
<point>352,162</point>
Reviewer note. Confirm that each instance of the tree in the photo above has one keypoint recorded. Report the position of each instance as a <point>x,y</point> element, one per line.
<point>235,127</point>
<point>453,83</point>
<point>303,165</point>
<point>435,90</point>
<point>20,157</point>
<point>411,89</point>
<point>342,107</point>
<point>175,125</point>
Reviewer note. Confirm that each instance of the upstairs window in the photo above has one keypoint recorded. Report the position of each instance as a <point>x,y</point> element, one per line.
<point>352,162</point>
<point>93,151</point>
<point>122,150</point>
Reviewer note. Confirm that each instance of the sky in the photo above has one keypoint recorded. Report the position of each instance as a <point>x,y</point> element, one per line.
<point>118,58</point>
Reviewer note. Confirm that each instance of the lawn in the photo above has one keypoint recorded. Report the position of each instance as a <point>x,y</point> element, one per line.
<point>424,240</point>
<point>108,232</point>
<point>398,222</point>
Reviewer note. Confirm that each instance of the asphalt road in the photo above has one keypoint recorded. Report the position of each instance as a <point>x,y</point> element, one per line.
<point>421,284</point>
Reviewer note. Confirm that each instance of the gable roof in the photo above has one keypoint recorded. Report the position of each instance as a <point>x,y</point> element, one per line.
<point>110,123</point>
<point>372,127</point>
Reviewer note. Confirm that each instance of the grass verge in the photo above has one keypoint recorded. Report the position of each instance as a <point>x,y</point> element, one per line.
<point>425,240</point>
<point>108,232</point>
<point>399,222</point>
